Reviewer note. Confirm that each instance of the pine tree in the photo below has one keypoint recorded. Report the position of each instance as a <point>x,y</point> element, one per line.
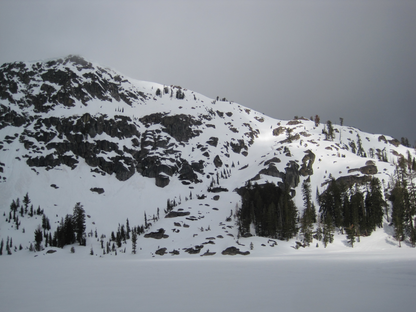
<point>134,242</point>
<point>328,230</point>
<point>38,238</point>
<point>397,199</point>
<point>360,150</point>
<point>9,252</point>
<point>318,232</point>
<point>79,223</point>
<point>309,214</point>
<point>358,217</point>
<point>128,230</point>
<point>26,202</point>
<point>1,247</point>
<point>351,235</point>
<point>13,208</point>
<point>330,131</point>
<point>289,134</point>
<point>374,205</point>
<point>330,202</point>
<point>317,119</point>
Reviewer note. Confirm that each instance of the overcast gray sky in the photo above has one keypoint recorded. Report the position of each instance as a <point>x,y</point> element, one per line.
<point>335,58</point>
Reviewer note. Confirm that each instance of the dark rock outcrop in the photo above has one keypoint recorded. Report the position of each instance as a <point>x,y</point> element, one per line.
<point>368,169</point>
<point>307,162</point>
<point>232,251</point>
<point>175,214</point>
<point>161,251</point>
<point>194,250</point>
<point>217,161</point>
<point>157,235</point>
<point>98,190</point>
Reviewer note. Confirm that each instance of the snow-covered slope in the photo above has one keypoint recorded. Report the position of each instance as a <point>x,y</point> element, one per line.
<point>72,131</point>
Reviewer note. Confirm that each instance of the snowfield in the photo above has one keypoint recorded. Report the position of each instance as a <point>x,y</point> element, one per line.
<point>330,281</point>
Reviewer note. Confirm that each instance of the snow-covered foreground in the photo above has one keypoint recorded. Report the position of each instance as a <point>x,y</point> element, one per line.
<point>339,281</point>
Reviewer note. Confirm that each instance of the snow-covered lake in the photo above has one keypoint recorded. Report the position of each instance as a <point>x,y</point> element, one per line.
<point>339,281</point>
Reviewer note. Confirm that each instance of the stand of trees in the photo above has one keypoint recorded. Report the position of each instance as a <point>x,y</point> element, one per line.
<point>349,209</point>
<point>71,229</point>
<point>358,211</point>
<point>270,209</point>
<point>403,200</point>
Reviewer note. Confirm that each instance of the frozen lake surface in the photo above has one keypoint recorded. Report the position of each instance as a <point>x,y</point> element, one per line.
<point>382,281</point>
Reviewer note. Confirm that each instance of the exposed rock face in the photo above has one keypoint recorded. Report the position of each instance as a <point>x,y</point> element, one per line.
<point>59,84</point>
<point>179,127</point>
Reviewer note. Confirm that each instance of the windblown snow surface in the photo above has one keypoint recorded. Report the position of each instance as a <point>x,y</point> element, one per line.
<point>334,279</point>
<point>374,275</point>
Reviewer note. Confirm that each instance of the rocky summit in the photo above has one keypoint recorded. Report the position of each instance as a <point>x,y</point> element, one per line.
<point>170,161</point>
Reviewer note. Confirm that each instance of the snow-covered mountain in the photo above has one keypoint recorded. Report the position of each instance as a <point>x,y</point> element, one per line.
<point>162,156</point>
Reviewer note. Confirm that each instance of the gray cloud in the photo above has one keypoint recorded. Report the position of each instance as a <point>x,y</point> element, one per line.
<point>352,59</point>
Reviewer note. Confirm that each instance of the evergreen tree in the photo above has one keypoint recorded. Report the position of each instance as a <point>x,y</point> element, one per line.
<point>289,134</point>
<point>26,202</point>
<point>122,233</point>
<point>128,230</point>
<point>38,238</point>
<point>13,208</point>
<point>134,241</point>
<point>328,230</point>
<point>330,131</point>
<point>360,150</point>
<point>330,202</point>
<point>309,214</point>
<point>317,119</point>
<point>358,216</point>
<point>67,233</point>
<point>289,214</point>
<point>146,225</point>
<point>9,252</point>
<point>374,203</point>
<point>397,199</point>
<point>79,223</point>
<point>351,235</point>
<point>1,247</point>
<point>318,232</point>
<point>45,223</point>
